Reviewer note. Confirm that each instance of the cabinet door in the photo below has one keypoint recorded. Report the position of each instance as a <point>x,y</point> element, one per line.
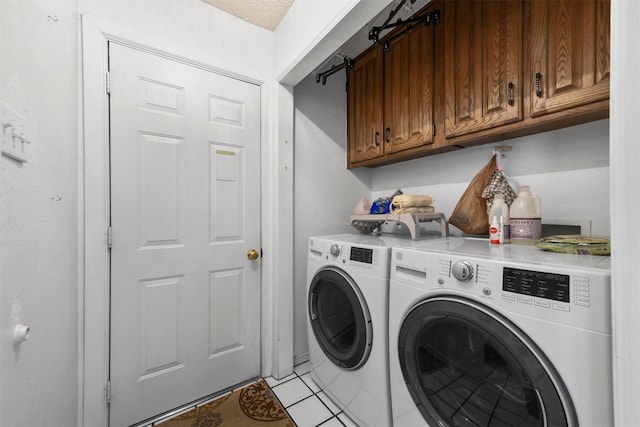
<point>364,107</point>
<point>483,60</point>
<point>570,53</point>
<point>408,89</point>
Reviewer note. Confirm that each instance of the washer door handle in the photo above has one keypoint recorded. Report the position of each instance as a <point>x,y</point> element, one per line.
<point>312,307</point>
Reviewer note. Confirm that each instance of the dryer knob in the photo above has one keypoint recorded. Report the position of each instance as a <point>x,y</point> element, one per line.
<point>462,271</point>
<point>334,250</point>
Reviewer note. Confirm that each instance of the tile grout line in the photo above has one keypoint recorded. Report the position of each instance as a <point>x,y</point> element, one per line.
<point>340,411</point>
<point>283,382</point>
<point>314,393</point>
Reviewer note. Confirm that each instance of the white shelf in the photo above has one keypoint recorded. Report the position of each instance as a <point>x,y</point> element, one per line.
<point>411,220</point>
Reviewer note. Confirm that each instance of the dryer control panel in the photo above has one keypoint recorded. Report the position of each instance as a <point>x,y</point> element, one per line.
<point>361,255</point>
<point>367,259</point>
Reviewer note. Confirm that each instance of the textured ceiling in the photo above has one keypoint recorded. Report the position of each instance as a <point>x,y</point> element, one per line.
<point>263,13</point>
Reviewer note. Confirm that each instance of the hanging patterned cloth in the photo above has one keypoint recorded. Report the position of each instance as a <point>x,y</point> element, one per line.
<point>498,184</point>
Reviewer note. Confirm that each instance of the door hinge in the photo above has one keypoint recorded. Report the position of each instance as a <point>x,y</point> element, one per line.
<point>107,392</point>
<point>433,132</point>
<point>108,82</point>
<point>109,237</point>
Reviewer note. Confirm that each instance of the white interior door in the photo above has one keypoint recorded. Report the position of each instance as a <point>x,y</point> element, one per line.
<point>185,201</point>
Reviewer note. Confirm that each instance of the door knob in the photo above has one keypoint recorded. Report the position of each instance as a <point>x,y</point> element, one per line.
<point>252,254</point>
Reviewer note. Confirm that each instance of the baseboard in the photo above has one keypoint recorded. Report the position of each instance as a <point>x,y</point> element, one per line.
<point>300,359</point>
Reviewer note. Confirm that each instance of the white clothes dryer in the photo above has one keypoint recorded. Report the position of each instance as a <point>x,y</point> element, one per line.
<point>347,321</point>
<point>499,335</point>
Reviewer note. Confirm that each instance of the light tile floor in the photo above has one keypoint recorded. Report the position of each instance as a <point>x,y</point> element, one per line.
<point>306,404</point>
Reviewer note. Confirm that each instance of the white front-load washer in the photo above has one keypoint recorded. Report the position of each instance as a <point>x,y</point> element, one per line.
<point>499,335</point>
<point>347,321</point>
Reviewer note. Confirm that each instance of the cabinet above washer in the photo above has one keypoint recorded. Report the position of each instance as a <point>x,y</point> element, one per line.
<point>490,70</point>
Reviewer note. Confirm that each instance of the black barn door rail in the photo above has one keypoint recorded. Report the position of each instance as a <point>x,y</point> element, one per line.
<point>347,63</point>
<point>427,19</point>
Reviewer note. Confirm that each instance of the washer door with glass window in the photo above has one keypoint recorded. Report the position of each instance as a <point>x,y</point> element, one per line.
<point>340,318</point>
<point>466,365</point>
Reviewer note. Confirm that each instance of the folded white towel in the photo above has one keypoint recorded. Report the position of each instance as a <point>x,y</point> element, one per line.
<point>402,202</point>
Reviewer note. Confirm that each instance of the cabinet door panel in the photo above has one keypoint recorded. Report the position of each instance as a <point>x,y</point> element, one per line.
<point>408,90</point>
<point>483,59</point>
<point>570,53</point>
<point>364,98</point>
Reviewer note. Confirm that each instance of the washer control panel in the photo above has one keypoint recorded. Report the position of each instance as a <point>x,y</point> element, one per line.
<point>538,284</point>
<point>571,295</point>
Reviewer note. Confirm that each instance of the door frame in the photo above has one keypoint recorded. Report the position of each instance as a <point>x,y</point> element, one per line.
<point>93,209</point>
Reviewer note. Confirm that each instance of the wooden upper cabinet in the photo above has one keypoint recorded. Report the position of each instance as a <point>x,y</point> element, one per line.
<point>569,53</point>
<point>483,65</point>
<point>408,89</point>
<point>489,70</point>
<point>364,108</point>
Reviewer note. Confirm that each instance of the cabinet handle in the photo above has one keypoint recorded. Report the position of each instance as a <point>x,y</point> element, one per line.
<point>388,135</point>
<point>376,139</point>
<point>510,93</point>
<point>538,89</point>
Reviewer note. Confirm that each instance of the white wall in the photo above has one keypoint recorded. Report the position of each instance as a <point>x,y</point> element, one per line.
<point>314,30</point>
<point>188,28</point>
<point>567,168</point>
<point>309,21</point>
<point>325,191</point>
<point>625,209</point>
<point>38,215</point>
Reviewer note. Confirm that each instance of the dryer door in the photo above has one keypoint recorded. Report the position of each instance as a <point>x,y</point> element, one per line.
<point>340,318</point>
<point>466,365</point>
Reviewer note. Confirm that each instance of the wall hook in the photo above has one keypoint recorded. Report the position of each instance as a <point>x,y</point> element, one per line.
<point>499,151</point>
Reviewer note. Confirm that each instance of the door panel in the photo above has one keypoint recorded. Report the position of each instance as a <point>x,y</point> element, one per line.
<point>408,85</point>
<point>364,99</point>
<point>483,42</point>
<point>159,174</point>
<point>185,167</point>
<point>569,53</point>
